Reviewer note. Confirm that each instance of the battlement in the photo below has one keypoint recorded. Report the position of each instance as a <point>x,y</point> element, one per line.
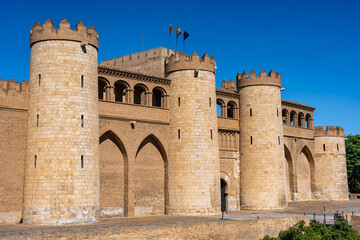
<point>330,131</point>
<point>183,61</point>
<point>13,94</point>
<point>272,78</point>
<point>230,85</point>
<point>80,34</point>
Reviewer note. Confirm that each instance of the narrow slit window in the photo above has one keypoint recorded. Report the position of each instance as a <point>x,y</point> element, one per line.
<point>279,139</point>
<point>337,146</point>
<point>179,101</point>
<point>277,112</point>
<point>37,120</point>
<point>82,161</point>
<point>324,147</point>
<point>82,81</point>
<point>82,120</point>
<point>250,112</point>
<point>178,133</point>
<point>39,80</point>
<point>211,134</point>
<point>251,140</point>
<point>209,102</point>
<point>35,158</point>
<point>196,73</point>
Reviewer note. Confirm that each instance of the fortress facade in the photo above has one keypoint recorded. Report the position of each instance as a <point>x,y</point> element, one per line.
<point>139,135</point>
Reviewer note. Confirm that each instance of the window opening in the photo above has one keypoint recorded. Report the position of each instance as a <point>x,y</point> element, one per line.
<point>209,102</point>
<point>178,133</point>
<point>250,112</point>
<point>337,146</point>
<point>82,161</point>
<point>251,140</point>
<point>39,80</point>
<point>37,120</point>
<point>324,147</point>
<point>179,101</point>
<point>82,120</point>
<point>82,80</point>
<point>35,158</point>
<point>211,134</point>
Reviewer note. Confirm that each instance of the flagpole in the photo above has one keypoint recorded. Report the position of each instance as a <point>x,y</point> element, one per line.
<point>184,45</point>
<point>169,45</point>
<point>176,43</point>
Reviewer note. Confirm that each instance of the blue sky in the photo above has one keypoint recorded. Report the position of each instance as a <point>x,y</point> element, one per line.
<point>315,45</point>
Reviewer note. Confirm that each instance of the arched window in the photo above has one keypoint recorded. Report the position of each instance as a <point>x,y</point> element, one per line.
<point>220,107</point>
<point>308,121</point>
<point>301,120</point>
<point>231,109</point>
<point>139,94</point>
<point>102,84</point>
<point>285,117</point>
<point>293,118</point>
<point>120,91</point>
<point>158,97</point>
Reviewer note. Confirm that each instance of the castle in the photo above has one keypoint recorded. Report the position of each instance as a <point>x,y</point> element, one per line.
<point>139,135</point>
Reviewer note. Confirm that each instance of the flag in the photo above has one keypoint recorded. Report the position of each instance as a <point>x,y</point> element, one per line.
<point>186,35</point>
<point>170,29</point>
<point>178,32</point>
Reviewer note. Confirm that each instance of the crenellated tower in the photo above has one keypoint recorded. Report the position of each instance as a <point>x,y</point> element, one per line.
<point>62,156</point>
<point>330,164</point>
<point>262,164</point>
<point>193,167</point>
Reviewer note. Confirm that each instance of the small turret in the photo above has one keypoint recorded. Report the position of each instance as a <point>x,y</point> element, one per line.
<point>330,160</point>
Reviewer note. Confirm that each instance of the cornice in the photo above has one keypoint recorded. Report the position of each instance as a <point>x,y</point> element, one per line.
<point>132,75</point>
<point>223,93</point>
<point>296,105</point>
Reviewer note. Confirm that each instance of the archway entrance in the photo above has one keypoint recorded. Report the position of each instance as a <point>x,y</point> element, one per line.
<point>223,186</point>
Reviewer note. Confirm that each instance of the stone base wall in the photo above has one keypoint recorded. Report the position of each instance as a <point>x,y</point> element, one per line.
<point>202,229</point>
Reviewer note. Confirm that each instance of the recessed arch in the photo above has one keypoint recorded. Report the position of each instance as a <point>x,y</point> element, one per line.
<point>140,91</point>
<point>289,173</point>
<point>103,83</point>
<point>113,175</point>
<point>120,88</point>
<point>231,106</point>
<point>305,171</point>
<point>220,107</point>
<point>293,118</point>
<point>285,117</point>
<point>158,96</point>
<point>151,171</point>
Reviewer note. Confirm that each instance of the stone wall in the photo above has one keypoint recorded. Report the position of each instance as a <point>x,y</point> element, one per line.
<point>62,157</point>
<point>193,143</point>
<point>201,229</point>
<point>263,183</point>
<point>330,164</point>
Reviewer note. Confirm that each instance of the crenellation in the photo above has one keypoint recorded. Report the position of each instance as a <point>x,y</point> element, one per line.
<point>162,147</point>
<point>49,32</point>
<point>330,131</point>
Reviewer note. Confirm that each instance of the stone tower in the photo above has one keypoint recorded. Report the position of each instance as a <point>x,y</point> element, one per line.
<point>62,156</point>
<point>330,165</point>
<point>262,160</point>
<point>193,167</point>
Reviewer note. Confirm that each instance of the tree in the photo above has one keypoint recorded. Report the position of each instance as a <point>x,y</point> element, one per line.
<point>316,231</point>
<point>352,145</point>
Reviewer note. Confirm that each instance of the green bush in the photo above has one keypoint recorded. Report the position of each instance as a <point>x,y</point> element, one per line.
<point>316,231</point>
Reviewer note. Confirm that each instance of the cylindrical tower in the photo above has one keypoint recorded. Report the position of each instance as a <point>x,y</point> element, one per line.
<point>330,164</point>
<point>262,160</point>
<point>193,167</point>
<point>62,156</point>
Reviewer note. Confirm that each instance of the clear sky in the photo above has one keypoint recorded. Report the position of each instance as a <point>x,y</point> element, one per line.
<point>315,45</point>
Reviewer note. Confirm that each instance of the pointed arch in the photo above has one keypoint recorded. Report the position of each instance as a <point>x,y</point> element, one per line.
<point>306,155</point>
<point>151,194</point>
<point>114,175</point>
<point>290,176</point>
